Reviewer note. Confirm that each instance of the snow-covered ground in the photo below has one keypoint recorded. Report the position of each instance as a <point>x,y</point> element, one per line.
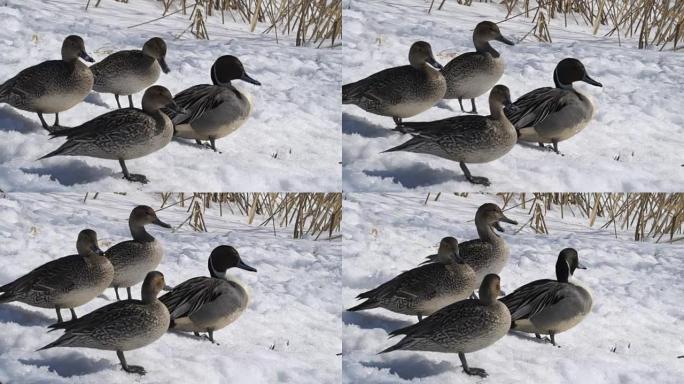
<point>290,333</point>
<point>290,143</point>
<point>633,334</point>
<point>633,144</point>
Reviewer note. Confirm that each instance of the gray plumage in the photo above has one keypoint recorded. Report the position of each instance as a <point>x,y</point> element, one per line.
<point>133,259</point>
<point>472,74</point>
<point>67,282</point>
<point>548,306</point>
<point>214,110</point>
<point>489,253</point>
<point>129,72</point>
<point>465,139</point>
<point>51,86</point>
<point>120,326</point>
<point>207,304</point>
<point>424,290</point>
<point>122,134</point>
<point>463,327</point>
<point>551,115</point>
<point>401,91</point>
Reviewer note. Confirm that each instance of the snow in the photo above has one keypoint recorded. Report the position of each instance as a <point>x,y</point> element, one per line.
<point>636,289</point>
<point>290,143</point>
<point>633,143</point>
<point>289,333</point>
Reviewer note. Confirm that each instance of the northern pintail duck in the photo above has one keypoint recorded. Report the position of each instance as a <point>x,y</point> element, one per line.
<point>67,282</point>
<point>550,307</point>
<point>121,326</point>
<point>51,86</point>
<point>465,139</point>
<point>129,72</point>
<point>214,111</point>
<point>551,115</point>
<point>403,91</point>
<point>207,304</point>
<point>472,74</point>
<point>489,253</point>
<point>463,327</point>
<point>132,259</point>
<point>123,134</point>
<point>424,290</point>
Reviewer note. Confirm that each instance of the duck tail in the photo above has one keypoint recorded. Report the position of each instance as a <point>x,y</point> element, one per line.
<point>400,345</point>
<point>6,297</point>
<point>350,93</point>
<point>64,150</point>
<point>368,304</point>
<point>57,343</point>
<point>407,146</point>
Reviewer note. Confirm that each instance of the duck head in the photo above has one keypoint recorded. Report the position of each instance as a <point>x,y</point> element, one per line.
<point>153,284</point>
<point>143,215</point>
<point>491,215</point>
<point>490,288</point>
<point>224,257</point>
<point>448,251</point>
<point>421,53</point>
<point>568,261</point>
<point>487,31</point>
<point>157,97</point>
<point>570,70</point>
<point>156,49</point>
<point>227,68</point>
<point>86,244</point>
<point>73,47</point>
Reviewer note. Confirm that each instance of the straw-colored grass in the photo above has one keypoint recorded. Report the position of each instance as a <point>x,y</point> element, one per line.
<point>317,215</point>
<point>655,23</point>
<point>313,22</point>
<point>658,216</point>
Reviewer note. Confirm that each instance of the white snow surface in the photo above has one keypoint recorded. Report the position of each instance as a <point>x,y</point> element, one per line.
<point>638,118</point>
<point>636,287</point>
<point>290,143</point>
<point>290,332</point>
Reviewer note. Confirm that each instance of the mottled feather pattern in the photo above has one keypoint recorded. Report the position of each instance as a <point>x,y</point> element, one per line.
<point>189,296</point>
<point>468,67</point>
<point>532,298</point>
<point>535,106</point>
<point>123,63</point>
<point>199,99</point>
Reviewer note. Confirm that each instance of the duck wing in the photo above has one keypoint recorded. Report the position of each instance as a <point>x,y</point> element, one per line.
<point>533,297</point>
<point>533,107</point>
<point>378,87</point>
<point>199,99</point>
<point>191,295</point>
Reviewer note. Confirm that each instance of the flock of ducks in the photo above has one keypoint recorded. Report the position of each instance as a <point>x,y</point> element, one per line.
<point>200,304</point>
<point>205,112</point>
<point>458,321</point>
<point>544,115</point>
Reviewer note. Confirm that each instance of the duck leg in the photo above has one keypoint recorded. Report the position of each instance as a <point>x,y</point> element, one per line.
<point>460,103</point>
<point>471,370</point>
<point>128,289</point>
<point>116,290</point>
<point>117,100</point>
<point>397,120</point>
<point>129,368</point>
<point>553,339</point>
<point>59,315</point>
<point>420,317</point>
<point>73,314</point>
<point>474,179</point>
<point>199,142</point>
<point>210,332</point>
<point>474,110</point>
<point>130,101</point>
<point>132,176</point>
<point>474,296</point>
<point>196,334</point>
<point>56,124</point>
<point>43,122</point>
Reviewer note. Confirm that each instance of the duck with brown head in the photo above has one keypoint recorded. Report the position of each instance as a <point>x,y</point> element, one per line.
<point>132,259</point>
<point>67,282</point>
<point>129,72</point>
<point>463,327</point>
<point>122,134</point>
<point>51,86</point>
<point>551,115</point>
<point>121,326</point>
<point>213,111</point>
<point>400,92</point>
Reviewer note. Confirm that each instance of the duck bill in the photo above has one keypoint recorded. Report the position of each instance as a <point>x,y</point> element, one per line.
<point>504,40</point>
<point>591,81</point>
<point>246,267</point>
<point>98,251</point>
<point>173,106</point>
<point>160,223</point>
<point>431,60</point>
<point>505,219</point>
<point>85,56</point>
<point>581,266</point>
<point>164,67</point>
<point>249,79</point>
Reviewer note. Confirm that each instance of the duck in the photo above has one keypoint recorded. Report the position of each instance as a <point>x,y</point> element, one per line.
<point>132,259</point>
<point>67,282</point>
<point>462,327</point>
<point>552,115</point>
<point>122,134</point>
<point>400,92</point>
<point>129,72</point>
<point>214,110</point>
<point>52,86</point>
<point>549,307</point>
<point>120,326</point>
<point>466,138</point>
<point>208,304</point>
<point>489,252</point>
<point>472,74</point>
<point>427,288</point>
